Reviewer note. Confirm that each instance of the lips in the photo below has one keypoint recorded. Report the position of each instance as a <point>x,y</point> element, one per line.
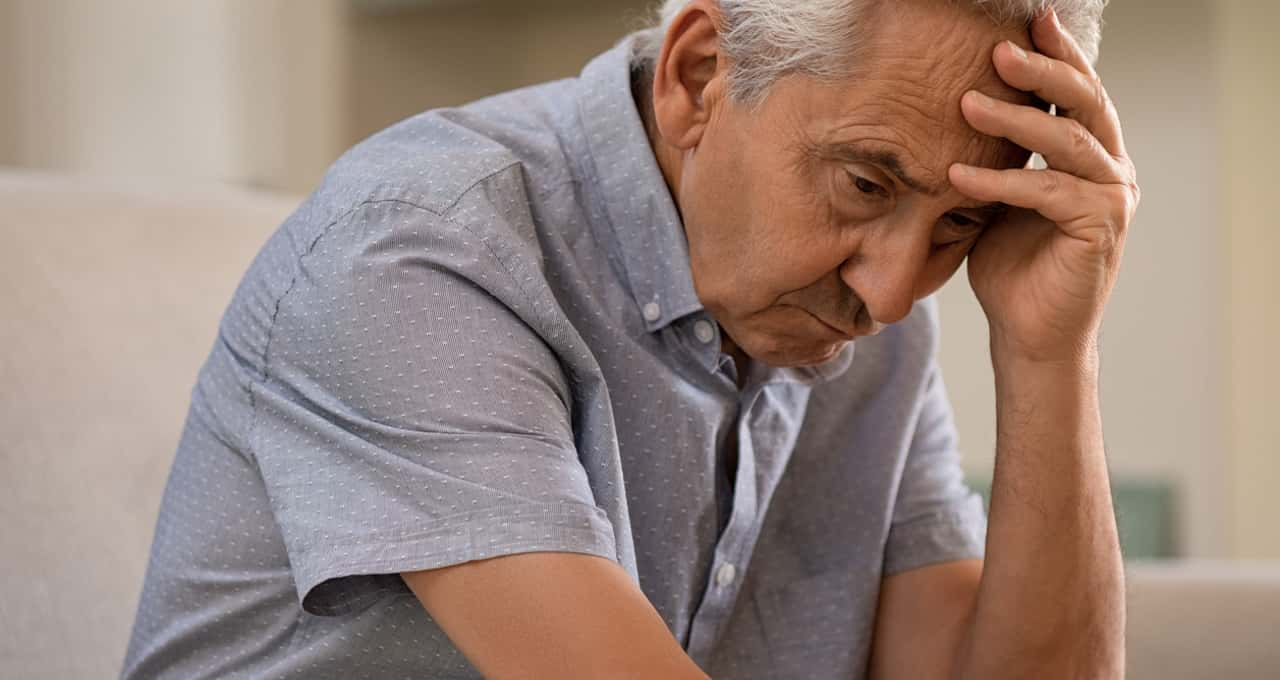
<point>835,330</point>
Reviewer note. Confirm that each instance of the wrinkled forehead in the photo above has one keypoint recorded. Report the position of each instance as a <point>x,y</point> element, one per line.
<point>906,85</point>
<point>942,45</point>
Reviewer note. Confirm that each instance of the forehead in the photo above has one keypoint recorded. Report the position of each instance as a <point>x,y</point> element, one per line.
<point>904,93</point>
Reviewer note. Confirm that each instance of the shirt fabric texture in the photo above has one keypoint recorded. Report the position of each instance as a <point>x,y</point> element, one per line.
<point>480,337</point>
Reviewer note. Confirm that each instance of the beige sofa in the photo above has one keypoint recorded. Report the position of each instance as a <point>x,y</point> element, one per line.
<point>109,297</point>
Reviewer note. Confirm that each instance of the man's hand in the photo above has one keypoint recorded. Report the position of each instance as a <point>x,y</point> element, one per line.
<point>1044,273</point>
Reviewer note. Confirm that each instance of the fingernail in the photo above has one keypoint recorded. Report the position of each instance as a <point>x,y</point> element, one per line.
<point>981,99</point>
<point>1018,52</point>
<point>964,170</point>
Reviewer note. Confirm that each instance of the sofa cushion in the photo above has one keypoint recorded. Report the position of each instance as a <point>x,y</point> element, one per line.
<point>111,297</point>
<point>1198,620</point>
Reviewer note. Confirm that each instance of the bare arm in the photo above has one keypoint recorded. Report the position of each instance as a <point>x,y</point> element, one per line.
<point>922,621</point>
<point>551,616</point>
<point>1050,601</point>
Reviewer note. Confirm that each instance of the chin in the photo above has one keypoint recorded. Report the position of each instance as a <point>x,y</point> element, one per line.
<point>793,353</point>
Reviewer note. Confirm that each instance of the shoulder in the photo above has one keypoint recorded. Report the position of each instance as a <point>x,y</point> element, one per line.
<point>434,159</point>
<point>439,203</point>
<point>452,188</point>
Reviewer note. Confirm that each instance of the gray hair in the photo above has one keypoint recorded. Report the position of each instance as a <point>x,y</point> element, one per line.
<point>768,39</point>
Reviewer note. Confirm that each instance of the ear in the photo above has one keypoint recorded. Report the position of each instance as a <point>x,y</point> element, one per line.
<point>689,77</point>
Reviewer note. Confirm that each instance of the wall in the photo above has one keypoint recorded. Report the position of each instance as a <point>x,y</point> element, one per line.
<point>8,84</point>
<point>1249,62</point>
<point>92,93</point>
<point>290,58</point>
<point>411,61</point>
<point>236,91</point>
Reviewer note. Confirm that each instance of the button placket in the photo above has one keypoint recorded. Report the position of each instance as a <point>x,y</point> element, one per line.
<point>725,575</point>
<point>652,312</point>
<point>704,331</point>
<point>735,546</point>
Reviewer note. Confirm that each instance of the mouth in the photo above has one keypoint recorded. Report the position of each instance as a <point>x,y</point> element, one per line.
<point>846,336</point>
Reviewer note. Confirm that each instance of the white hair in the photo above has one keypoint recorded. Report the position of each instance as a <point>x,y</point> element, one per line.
<point>768,39</point>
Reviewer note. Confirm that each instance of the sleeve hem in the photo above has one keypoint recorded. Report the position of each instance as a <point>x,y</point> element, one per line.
<point>342,577</point>
<point>955,532</point>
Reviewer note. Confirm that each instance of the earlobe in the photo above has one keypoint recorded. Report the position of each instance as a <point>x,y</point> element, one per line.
<point>687,76</point>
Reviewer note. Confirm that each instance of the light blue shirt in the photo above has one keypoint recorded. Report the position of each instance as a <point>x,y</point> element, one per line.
<point>480,337</point>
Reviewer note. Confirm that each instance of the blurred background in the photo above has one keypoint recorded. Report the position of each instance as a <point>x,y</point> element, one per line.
<point>148,147</point>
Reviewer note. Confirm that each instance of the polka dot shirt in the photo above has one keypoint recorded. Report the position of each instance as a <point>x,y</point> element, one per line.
<point>479,337</point>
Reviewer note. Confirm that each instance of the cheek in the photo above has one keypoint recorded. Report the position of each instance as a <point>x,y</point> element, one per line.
<point>716,220</point>
<point>941,267</point>
<point>774,235</point>
<point>801,238</point>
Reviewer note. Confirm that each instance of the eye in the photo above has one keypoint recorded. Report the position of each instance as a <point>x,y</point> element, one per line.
<point>868,187</point>
<point>964,223</point>
<point>957,229</point>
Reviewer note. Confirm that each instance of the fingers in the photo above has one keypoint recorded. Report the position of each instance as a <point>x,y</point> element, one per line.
<point>1052,40</point>
<point>1080,208</point>
<point>1077,94</point>
<point>1090,190</point>
<point>1066,144</point>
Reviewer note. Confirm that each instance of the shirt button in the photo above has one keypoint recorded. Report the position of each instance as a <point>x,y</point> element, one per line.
<point>704,332</point>
<point>725,575</point>
<point>652,312</point>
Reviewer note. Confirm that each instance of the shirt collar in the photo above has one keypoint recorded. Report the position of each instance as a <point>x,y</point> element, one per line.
<point>638,205</point>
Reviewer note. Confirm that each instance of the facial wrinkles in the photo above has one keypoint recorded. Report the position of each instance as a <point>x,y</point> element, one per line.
<point>805,232</point>
<point>920,82</point>
<point>910,103</point>
<point>797,217</point>
<point>905,101</point>
<point>762,212</point>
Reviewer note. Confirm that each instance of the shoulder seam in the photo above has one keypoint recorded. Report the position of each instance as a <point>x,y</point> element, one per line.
<point>463,194</point>
<point>442,213</point>
<point>271,324</point>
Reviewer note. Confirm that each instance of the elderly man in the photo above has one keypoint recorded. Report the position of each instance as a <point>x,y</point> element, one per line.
<point>633,375</point>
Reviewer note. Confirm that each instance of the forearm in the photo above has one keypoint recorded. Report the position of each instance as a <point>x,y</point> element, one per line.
<point>1051,600</point>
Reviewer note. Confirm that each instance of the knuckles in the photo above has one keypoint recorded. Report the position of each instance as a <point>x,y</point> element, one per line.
<point>1101,100</point>
<point>1050,182</point>
<point>1131,192</point>
<point>1123,203</point>
<point>1131,181</point>
<point>1079,137</point>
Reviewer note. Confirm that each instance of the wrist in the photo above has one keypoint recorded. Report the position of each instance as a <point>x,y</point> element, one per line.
<point>1079,358</point>
<point>1058,392</point>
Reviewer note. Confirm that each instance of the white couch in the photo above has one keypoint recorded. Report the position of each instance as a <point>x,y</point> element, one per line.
<point>110,293</point>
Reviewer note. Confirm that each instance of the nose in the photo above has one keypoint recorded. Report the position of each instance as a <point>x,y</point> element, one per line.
<point>886,278</point>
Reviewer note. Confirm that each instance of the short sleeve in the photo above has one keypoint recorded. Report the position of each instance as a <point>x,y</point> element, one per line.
<point>409,418</point>
<point>936,517</point>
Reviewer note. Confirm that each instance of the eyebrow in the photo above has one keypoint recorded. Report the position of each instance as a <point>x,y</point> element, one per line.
<point>892,162</point>
<point>888,160</point>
